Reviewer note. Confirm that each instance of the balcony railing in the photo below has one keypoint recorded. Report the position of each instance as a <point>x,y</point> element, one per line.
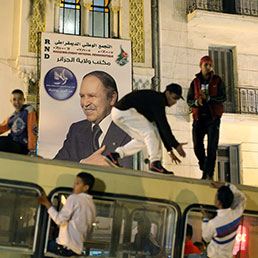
<point>248,100</point>
<point>242,7</point>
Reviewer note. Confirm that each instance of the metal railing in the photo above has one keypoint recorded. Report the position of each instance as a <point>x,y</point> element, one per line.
<point>248,100</point>
<point>242,7</point>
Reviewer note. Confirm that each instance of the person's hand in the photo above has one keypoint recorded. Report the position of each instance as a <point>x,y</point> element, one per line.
<point>139,254</point>
<point>203,95</point>
<point>174,158</point>
<point>180,149</point>
<point>43,200</point>
<point>200,101</point>
<point>96,158</point>
<point>216,184</point>
<point>204,213</point>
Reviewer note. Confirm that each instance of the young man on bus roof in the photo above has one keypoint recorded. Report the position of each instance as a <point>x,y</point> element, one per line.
<point>205,97</point>
<point>75,218</point>
<point>221,230</point>
<point>142,115</point>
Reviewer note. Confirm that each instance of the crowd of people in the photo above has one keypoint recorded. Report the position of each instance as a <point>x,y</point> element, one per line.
<point>115,130</point>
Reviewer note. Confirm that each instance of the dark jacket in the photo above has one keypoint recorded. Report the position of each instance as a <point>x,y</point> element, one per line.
<point>151,104</point>
<point>216,95</point>
<point>78,142</point>
<point>146,244</point>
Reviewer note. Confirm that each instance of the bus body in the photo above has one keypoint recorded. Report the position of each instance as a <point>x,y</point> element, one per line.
<point>123,198</point>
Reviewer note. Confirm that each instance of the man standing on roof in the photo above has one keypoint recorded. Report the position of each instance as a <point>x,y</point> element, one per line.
<point>142,115</point>
<point>205,97</point>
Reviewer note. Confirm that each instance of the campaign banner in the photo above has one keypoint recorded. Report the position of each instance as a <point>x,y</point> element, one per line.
<point>65,59</point>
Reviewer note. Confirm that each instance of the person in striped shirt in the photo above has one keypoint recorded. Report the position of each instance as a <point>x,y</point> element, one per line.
<point>220,231</point>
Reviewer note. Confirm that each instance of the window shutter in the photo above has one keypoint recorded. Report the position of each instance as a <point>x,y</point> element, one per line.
<point>228,164</point>
<point>234,164</point>
<point>223,66</point>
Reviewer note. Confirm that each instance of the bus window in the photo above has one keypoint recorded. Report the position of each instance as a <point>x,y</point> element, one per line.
<point>149,230</point>
<point>120,225</point>
<point>19,216</point>
<point>98,243</point>
<point>194,219</point>
<point>125,227</point>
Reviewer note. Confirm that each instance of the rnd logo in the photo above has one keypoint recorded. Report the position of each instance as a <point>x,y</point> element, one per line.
<point>47,49</point>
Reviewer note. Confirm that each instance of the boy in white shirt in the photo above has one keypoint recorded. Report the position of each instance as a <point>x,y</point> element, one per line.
<point>75,219</point>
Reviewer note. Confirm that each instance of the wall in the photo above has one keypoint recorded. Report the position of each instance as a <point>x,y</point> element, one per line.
<point>9,77</point>
<point>175,68</point>
<point>184,40</point>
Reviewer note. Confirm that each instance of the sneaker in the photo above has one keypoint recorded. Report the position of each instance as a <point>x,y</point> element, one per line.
<point>209,178</point>
<point>112,159</point>
<point>158,168</point>
<point>206,176</point>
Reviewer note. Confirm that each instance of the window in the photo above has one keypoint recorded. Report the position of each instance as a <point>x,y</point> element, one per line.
<point>19,216</point>
<point>69,17</point>
<point>228,6</point>
<point>223,66</point>
<point>99,18</point>
<point>90,19</point>
<point>120,224</point>
<point>228,164</point>
<point>244,7</point>
<point>248,98</point>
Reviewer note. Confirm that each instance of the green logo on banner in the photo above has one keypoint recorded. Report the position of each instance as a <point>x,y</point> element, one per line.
<point>122,57</point>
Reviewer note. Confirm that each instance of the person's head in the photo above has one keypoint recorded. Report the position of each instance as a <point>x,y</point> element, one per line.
<point>200,246</point>
<point>224,197</point>
<point>206,65</point>
<point>143,226</point>
<point>189,232</point>
<point>17,99</point>
<point>98,94</point>
<point>83,183</point>
<point>173,93</point>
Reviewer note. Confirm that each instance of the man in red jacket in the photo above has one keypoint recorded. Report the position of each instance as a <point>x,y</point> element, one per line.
<point>206,96</point>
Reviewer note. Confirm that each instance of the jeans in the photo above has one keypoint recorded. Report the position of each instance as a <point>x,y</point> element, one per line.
<point>202,127</point>
<point>55,248</point>
<point>8,145</point>
<point>143,133</point>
